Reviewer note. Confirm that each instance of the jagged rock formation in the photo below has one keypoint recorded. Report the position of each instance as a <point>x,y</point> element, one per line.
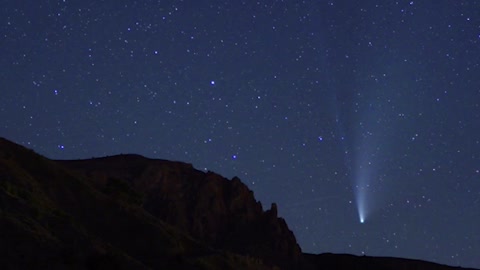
<point>218,211</point>
<point>54,218</point>
<point>130,212</point>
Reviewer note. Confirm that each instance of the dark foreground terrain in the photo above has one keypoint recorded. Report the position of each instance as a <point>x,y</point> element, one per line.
<point>131,212</point>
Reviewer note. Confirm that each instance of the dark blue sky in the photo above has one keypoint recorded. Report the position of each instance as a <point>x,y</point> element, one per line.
<point>332,109</point>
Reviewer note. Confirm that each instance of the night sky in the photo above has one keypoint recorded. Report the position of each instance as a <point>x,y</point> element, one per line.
<point>361,119</point>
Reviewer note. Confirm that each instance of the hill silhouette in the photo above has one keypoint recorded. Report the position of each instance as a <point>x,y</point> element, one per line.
<point>131,212</point>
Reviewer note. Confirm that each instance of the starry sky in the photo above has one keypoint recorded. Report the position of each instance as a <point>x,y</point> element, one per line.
<point>360,119</point>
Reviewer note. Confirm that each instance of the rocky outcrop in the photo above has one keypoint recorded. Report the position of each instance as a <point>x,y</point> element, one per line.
<point>54,218</point>
<point>130,212</point>
<point>211,208</point>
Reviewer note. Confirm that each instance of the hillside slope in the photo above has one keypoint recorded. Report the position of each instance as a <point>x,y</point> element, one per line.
<point>51,217</point>
<point>131,212</point>
<point>220,212</point>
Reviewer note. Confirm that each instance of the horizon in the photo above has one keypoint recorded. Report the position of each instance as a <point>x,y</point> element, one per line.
<point>227,179</point>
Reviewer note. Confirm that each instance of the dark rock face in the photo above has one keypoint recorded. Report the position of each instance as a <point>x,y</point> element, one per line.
<point>130,212</point>
<point>213,209</point>
<point>55,218</point>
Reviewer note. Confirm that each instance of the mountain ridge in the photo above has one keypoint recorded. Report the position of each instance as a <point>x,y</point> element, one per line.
<point>132,212</point>
<point>178,194</point>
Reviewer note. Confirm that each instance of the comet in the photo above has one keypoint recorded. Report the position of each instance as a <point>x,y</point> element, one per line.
<point>360,196</point>
<point>362,189</point>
